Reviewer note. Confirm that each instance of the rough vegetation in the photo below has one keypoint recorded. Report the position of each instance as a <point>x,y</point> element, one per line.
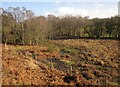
<point>61,62</point>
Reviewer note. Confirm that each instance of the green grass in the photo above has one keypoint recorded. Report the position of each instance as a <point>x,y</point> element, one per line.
<point>68,62</point>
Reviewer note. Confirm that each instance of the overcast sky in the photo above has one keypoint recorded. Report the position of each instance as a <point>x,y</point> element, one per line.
<point>92,8</point>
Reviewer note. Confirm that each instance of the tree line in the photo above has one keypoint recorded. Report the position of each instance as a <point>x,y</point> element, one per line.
<point>21,26</point>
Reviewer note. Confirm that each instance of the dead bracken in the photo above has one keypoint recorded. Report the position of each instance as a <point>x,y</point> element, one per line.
<point>75,65</point>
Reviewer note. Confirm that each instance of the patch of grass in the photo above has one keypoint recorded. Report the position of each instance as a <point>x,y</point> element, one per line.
<point>68,62</point>
<point>71,50</point>
<point>20,48</point>
<point>51,47</point>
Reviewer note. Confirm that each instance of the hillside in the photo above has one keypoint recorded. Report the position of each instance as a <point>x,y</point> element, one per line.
<point>61,62</point>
